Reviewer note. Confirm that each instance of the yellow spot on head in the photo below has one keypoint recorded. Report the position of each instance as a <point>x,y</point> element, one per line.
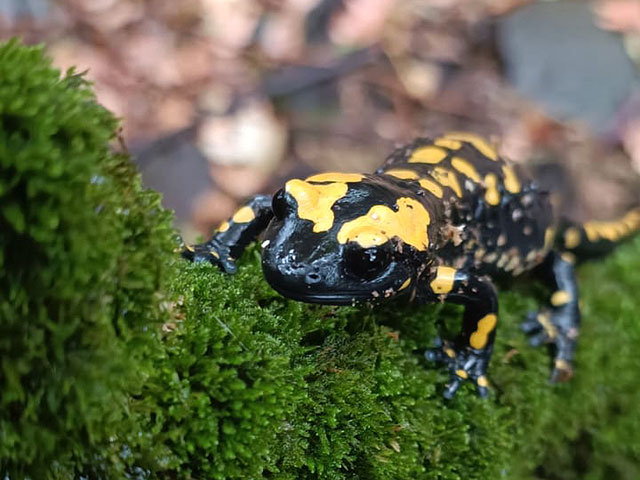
<point>224,226</point>
<point>450,352</point>
<point>428,154</point>
<point>462,374</point>
<point>511,182</point>
<point>432,187</point>
<point>244,215</point>
<point>572,237</point>
<point>381,223</point>
<point>559,298</point>
<point>443,282</point>
<point>447,178</point>
<point>367,236</point>
<point>465,168</point>
<point>491,195</point>
<point>477,141</point>
<point>336,177</point>
<point>189,247</point>
<point>403,174</point>
<point>405,284</point>
<point>315,201</point>
<point>448,143</point>
<point>486,324</point>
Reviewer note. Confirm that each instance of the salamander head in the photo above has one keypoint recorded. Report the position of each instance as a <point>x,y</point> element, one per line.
<point>344,238</point>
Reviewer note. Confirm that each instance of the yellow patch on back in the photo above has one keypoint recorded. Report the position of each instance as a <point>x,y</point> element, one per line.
<point>572,237</point>
<point>411,175</point>
<point>243,215</point>
<point>477,141</point>
<point>403,174</point>
<point>428,154</point>
<point>336,177</point>
<point>511,182</point>
<point>315,201</point>
<point>491,195</point>
<point>381,223</point>
<point>433,187</point>
<point>479,338</point>
<point>443,282</point>
<point>405,284</point>
<point>447,178</point>
<point>466,168</point>
<point>448,143</point>
<point>224,226</point>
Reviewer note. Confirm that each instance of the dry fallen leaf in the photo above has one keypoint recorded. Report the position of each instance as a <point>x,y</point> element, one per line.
<point>252,135</point>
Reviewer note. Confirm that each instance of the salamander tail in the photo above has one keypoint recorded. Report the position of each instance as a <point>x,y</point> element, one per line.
<point>596,238</point>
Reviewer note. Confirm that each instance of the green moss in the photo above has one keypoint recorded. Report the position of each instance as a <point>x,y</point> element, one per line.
<point>83,254</point>
<point>117,360</point>
<point>352,395</point>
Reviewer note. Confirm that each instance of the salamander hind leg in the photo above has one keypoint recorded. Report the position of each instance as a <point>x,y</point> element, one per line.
<point>467,358</point>
<point>558,325</point>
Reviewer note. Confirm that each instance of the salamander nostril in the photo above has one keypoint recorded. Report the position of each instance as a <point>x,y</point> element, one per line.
<point>313,277</point>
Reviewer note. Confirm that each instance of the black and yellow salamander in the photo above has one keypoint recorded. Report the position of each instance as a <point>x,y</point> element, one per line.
<point>436,222</point>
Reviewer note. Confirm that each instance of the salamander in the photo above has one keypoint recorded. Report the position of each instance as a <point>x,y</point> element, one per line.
<point>439,221</point>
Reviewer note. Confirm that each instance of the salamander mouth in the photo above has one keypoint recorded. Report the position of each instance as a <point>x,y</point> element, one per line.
<point>348,298</point>
<point>303,288</point>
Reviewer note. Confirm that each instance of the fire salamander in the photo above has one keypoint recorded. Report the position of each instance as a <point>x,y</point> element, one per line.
<point>435,223</point>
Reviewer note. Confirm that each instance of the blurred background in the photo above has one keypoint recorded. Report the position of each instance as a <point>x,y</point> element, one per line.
<point>222,99</point>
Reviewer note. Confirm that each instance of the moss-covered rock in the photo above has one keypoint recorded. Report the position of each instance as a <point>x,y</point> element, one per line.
<point>84,251</point>
<point>119,361</point>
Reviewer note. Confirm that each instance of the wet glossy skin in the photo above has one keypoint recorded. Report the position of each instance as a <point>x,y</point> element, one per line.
<point>434,223</point>
<point>331,266</point>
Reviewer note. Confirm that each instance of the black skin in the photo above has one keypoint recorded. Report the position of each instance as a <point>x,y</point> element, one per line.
<point>473,236</point>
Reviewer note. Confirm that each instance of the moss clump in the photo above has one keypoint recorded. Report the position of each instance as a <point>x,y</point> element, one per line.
<point>255,386</point>
<point>239,382</point>
<point>83,252</point>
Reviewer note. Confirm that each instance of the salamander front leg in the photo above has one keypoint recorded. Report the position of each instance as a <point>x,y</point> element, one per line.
<point>468,357</point>
<point>232,236</point>
<point>558,325</point>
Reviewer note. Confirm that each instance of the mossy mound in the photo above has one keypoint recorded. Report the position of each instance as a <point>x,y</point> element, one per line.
<point>84,251</point>
<point>255,386</point>
<point>117,360</point>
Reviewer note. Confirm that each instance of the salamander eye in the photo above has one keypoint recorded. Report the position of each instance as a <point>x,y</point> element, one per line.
<point>367,263</point>
<point>280,205</point>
